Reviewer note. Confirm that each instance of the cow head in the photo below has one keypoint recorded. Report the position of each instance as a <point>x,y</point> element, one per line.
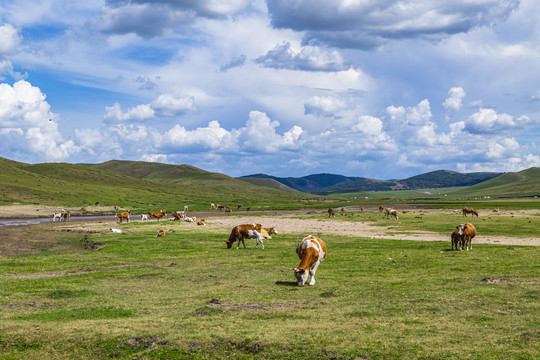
<point>272,231</point>
<point>301,276</point>
<point>460,228</point>
<point>229,243</point>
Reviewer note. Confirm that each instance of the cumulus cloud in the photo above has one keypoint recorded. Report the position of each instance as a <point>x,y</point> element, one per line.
<point>415,115</point>
<point>454,100</point>
<point>323,106</point>
<point>149,18</point>
<point>165,105</point>
<point>27,126</point>
<point>488,121</point>
<point>367,24</point>
<point>9,39</point>
<point>308,58</point>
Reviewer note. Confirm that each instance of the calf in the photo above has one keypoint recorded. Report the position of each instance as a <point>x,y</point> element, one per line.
<point>266,232</point>
<point>157,214</point>
<point>57,216</point>
<point>312,252</point>
<point>160,233</point>
<point>124,215</point>
<point>456,240</point>
<point>200,222</point>
<point>240,232</point>
<point>144,217</point>
<point>467,232</point>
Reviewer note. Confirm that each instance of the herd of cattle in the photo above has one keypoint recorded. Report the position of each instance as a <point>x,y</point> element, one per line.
<point>311,250</point>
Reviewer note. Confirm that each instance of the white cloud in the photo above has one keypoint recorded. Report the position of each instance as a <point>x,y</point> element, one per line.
<point>169,105</point>
<point>9,39</point>
<point>28,127</point>
<point>324,106</point>
<point>137,113</point>
<point>454,100</point>
<point>308,58</point>
<point>487,121</point>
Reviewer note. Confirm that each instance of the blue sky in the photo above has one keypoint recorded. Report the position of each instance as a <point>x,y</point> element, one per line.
<point>380,89</point>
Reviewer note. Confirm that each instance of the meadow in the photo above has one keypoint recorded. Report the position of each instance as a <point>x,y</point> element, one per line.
<point>186,296</point>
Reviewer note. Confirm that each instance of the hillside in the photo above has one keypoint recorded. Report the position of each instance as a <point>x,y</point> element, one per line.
<point>271,183</point>
<point>160,186</point>
<point>525,183</point>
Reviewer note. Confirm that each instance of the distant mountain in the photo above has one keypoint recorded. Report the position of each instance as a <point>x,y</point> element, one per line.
<point>327,184</point>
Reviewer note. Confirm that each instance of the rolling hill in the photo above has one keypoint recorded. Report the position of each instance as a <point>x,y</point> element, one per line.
<point>328,184</point>
<point>525,183</point>
<point>157,186</point>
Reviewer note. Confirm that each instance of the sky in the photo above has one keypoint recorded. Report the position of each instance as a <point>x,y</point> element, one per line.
<point>373,88</point>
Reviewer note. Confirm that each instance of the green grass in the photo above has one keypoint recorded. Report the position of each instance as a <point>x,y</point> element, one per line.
<point>509,223</point>
<point>186,296</point>
<point>171,187</point>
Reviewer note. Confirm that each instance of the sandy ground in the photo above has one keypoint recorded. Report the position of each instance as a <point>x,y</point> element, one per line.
<point>18,240</point>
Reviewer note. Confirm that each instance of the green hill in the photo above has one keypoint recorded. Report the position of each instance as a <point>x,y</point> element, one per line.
<point>525,183</point>
<point>158,186</point>
<point>271,183</point>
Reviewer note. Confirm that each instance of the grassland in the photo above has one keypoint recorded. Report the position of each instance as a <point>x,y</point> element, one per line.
<point>186,296</point>
<point>79,186</point>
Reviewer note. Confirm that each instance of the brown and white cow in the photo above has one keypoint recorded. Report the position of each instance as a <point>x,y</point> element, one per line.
<point>266,232</point>
<point>157,214</point>
<point>391,213</point>
<point>471,211</point>
<point>467,232</point>
<point>124,215</point>
<point>240,232</point>
<point>331,213</point>
<point>66,215</point>
<point>160,233</point>
<point>312,252</point>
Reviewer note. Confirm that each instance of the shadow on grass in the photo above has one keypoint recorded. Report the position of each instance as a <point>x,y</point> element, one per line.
<point>286,283</point>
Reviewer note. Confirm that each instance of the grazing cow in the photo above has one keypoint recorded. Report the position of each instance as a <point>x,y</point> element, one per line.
<point>157,214</point>
<point>200,222</point>
<point>228,209</point>
<point>381,208</point>
<point>471,211</point>
<point>240,206</point>
<point>331,213</point>
<point>248,209</point>
<point>66,215</point>
<point>468,232</point>
<point>220,207</point>
<point>186,207</point>
<point>57,216</point>
<point>144,217</point>
<point>124,215</point>
<point>160,233</point>
<point>213,206</point>
<point>312,252</point>
<point>240,232</point>
<point>97,203</point>
<point>456,240</point>
<point>391,213</point>
<point>266,232</point>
